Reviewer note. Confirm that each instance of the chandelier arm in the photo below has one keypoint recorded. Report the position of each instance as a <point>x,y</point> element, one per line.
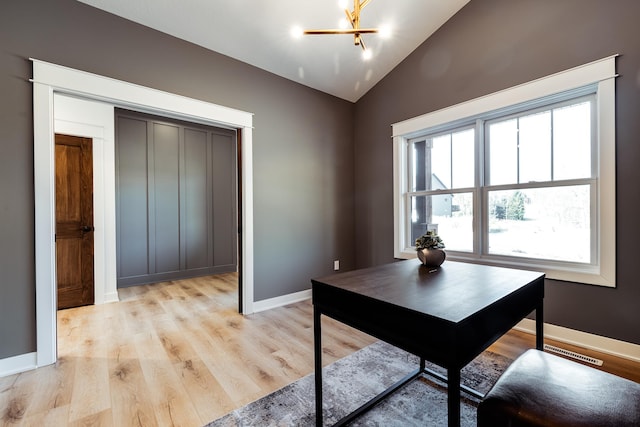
<point>356,14</point>
<point>341,31</point>
<point>364,3</point>
<point>349,16</point>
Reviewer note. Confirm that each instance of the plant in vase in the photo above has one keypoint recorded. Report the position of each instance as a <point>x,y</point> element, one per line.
<point>429,248</point>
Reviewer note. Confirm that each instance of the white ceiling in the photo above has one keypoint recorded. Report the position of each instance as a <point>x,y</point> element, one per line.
<point>258,32</point>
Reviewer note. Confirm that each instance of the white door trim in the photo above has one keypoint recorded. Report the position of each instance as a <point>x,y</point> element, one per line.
<point>49,79</point>
<point>93,119</point>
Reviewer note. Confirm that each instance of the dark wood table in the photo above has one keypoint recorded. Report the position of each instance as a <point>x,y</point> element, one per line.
<point>447,316</point>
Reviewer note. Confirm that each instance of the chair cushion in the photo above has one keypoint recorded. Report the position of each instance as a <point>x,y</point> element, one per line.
<point>541,389</point>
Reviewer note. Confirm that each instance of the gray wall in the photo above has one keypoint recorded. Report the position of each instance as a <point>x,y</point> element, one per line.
<point>488,46</point>
<point>303,146</point>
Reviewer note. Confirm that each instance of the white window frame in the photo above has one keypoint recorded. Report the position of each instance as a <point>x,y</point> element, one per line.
<point>599,74</point>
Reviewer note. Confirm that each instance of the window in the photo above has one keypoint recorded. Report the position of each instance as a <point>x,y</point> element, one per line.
<point>522,178</point>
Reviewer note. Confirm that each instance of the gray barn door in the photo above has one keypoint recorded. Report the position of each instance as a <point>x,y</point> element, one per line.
<point>176,199</point>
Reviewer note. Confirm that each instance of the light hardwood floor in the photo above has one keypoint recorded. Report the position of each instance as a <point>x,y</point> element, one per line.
<point>178,354</point>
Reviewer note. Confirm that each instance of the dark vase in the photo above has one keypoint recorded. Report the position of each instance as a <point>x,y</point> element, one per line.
<point>431,257</point>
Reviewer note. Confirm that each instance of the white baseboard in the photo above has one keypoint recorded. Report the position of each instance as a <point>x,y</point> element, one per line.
<point>17,364</point>
<point>267,304</point>
<point>582,339</point>
<point>111,297</point>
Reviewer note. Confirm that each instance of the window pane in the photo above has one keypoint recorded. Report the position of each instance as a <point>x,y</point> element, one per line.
<point>441,162</point>
<point>550,145</point>
<point>453,213</point>
<point>503,152</point>
<point>572,141</point>
<point>462,153</point>
<point>535,147</point>
<point>444,161</point>
<point>549,223</point>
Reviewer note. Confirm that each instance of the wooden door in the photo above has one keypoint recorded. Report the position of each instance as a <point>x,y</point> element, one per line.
<point>74,221</point>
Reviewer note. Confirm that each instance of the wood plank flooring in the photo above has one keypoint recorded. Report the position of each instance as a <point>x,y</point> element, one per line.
<point>178,354</point>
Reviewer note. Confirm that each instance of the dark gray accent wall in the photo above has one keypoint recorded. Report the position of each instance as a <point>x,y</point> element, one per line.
<point>302,146</point>
<point>492,45</point>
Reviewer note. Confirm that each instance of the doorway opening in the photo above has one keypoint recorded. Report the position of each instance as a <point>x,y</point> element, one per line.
<point>176,197</point>
<point>49,80</point>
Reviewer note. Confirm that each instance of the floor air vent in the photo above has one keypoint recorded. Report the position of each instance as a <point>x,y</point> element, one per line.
<point>572,354</point>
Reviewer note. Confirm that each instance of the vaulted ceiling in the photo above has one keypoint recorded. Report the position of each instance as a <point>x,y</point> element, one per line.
<point>258,32</point>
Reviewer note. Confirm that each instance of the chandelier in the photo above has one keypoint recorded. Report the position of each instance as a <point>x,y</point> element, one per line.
<point>353,17</point>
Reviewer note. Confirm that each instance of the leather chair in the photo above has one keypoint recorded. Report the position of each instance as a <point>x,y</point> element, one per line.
<point>541,389</point>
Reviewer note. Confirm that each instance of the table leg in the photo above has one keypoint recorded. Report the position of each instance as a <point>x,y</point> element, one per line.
<point>453,397</point>
<point>317,352</point>
<point>540,326</point>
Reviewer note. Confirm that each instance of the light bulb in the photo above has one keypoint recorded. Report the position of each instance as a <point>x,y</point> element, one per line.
<point>384,32</point>
<point>296,32</point>
<point>366,54</point>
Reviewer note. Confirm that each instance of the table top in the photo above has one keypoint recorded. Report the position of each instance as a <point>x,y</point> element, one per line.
<point>453,292</point>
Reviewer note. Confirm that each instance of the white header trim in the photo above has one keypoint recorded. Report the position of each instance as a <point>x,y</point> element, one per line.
<point>146,99</point>
<point>573,78</point>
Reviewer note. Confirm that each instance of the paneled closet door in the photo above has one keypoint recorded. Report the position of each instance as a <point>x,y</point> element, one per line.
<point>176,193</point>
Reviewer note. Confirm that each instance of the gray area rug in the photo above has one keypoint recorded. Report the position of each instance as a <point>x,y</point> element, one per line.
<point>353,380</point>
